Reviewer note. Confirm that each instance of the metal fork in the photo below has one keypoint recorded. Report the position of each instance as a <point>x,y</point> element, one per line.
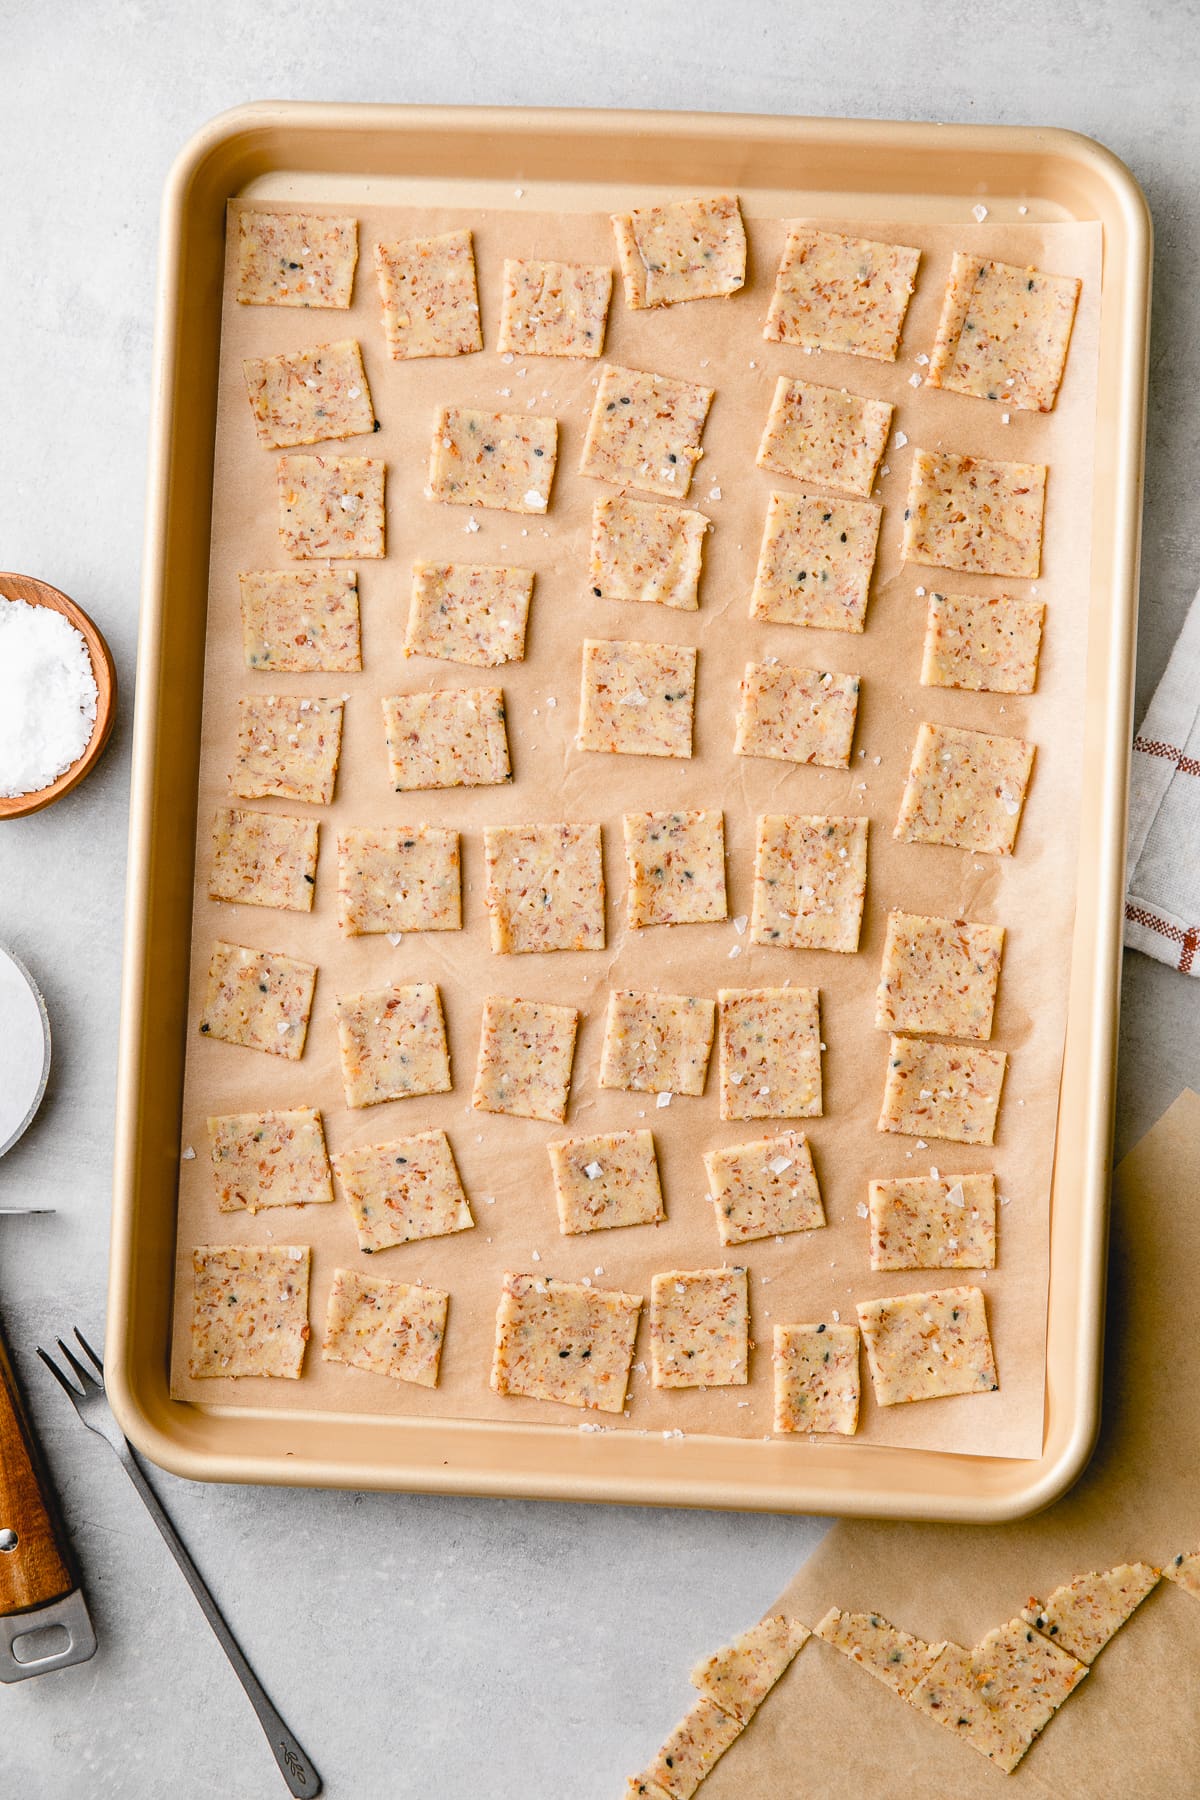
<point>91,1403</point>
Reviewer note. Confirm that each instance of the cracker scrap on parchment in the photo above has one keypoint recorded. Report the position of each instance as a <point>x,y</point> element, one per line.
<point>939,976</point>
<point>557,1340</point>
<point>689,1754</point>
<point>764,1188</point>
<point>949,1091</point>
<point>648,553</point>
<point>645,431</point>
<point>982,643</point>
<point>927,1346</point>
<point>810,881</point>
<point>501,461</point>
<point>295,258</point>
<point>266,1159</point>
<point>770,1053</point>
<point>1082,1615</point>
<point>392,1044</point>
<point>825,435</point>
<point>933,1222</point>
<point>606,1181</point>
<point>428,294</point>
<point>468,613</point>
<point>817,1386</point>
<point>259,999</point>
<point>1001,1694</point>
<point>973,515</point>
<point>1184,1570</point>
<point>637,699</point>
<point>699,1328</point>
<point>1004,332</point>
<point>331,506</point>
<point>965,789</point>
<point>796,715</point>
<point>526,1048</point>
<point>675,865</point>
<point>452,737</point>
<point>848,294</point>
<point>385,1327</point>
<point>263,859</point>
<point>403,1190</point>
<point>287,748</point>
<point>656,1043</point>
<point>892,1656</point>
<point>553,308</point>
<point>398,878</point>
<point>308,396</point>
<point>545,888</point>
<point>249,1310</point>
<point>739,1676</point>
<point>815,562</point>
<point>681,250</point>
<point>301,621</point>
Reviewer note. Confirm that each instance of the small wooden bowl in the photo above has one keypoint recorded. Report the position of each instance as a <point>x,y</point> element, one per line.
<point>40,593</point>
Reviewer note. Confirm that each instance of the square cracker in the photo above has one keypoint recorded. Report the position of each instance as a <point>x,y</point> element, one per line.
<point>468,613</point>
<point>841,293</point>
<point>682,250</point>
<point>939,976</point>
<point>927,1346</point>
<point>260,999</point>
<point>976,516</point>
<point>392,1044</point>
<point>403,1190</point>
<point>815,562</point>
<point>770,1043</point>
<point>331,506</point>
<point>559,1341</point>
<point>428,294</point>
<point>309,395</point>
<point>892,1656</point>
<point>501,461</point>
<point>1001,1694</point>
<point>645,552</point>
<point>764,1188</point>
<point>689,1754</point>
<point>675,864</point>
<point>553,308</point>
<point>965,789</point>
<point>263,859</point>
<point>605,1181</point>
<point>656,1043</point>
<point>645,431</point>
<point>385,1327</point>
<point>982,643</point>
<point>545,888</point>
<point>816,1378</point>
<point>287,747</point>
<point>1003,333</point>
<point>1082,1615</point>
<point>398,878</point>
<point>810,880</point>
<point>452,737</point>
<point>741,1675</point>
<point>269,1159</point>
<point>637,699</point>
<point>949,1091</point>
<point>301,621</point>
<point>825,435</point>
<point>699,1328</point>
<point>526,1048</point>
<point>295,259</point>
<point>796,715</point>
<point>1184,1570</point>
<point>933,1222</point>
<point>249,1310</point>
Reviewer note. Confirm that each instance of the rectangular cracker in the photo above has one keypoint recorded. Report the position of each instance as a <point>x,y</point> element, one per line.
<point>949,1091</point>
<point>892,1656</point>
<point>1004,332</point>
<point>796,715</point>
<point>976,516</point>
<point>309,396</point>
<point>558,1341</point>
<point>260,999</point>
<point>469,613</point>
<point>699,1328</point>
<point>656,1043</point>
<point>647,553</point>
<point>982,643</point>
<point>765,1188</point>
<point>928,1346</point>
<point>301,621</point>
<point>675,865</point>
<point>605,1181</point>
<point>848,294</point>
<point>392,1044</point>
<point>690,1753</point>
<point>637,699</point>
<point>526,1048</point>
<point>1001,1694</point>
<point>770,1046</point>
<point>1082,1615</point>
<point>428,294</point>
<point>939,976</point>
<point>452,737</point>
<point>385,1327</point>
<point>269,1159</point>
<point>545,888</point>
<point>933,1222</point>
<point>965,789</point>
<point>682,250</point>
<point>825,435</point>
<point>645,431</point>
<point>816,1378</point>
<point>287,748</point>
<point>815,562</point>
<point>553,308</point>
<point>295,259</point>
<point>1184,1570</point>
<point>263,859</point>
<point>398,878</point>
<point>810,880</point>
<point>331,507</point>
<point>501,461</point>
<point>403,1190</point>
<point>249,1310</point>
<point>739,1676</point>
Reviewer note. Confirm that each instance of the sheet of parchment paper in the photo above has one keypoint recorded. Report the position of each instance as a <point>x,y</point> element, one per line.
<point>503,1161</point>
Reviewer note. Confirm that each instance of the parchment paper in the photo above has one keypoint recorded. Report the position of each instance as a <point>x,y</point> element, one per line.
<point>803,1276</point>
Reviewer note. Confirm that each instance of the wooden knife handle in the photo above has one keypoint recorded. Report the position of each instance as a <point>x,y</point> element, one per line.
<point>38,1569</point>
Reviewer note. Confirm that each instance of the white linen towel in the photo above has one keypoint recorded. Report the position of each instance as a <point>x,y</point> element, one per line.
<point>1162,902</point>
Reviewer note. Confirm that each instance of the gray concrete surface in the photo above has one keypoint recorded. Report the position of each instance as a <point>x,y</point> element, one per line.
<point>425,1647</point>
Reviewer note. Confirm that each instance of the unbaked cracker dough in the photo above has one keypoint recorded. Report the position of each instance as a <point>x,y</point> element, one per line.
<point>848,294</point>
<point>269,1159</point>
<point>331,506</point>
<point>259,999</point>
<point>810,880</point>
<point>1001,1694</point>
<point>770,1046</point>
<point>469,613</point>
<point>526,1048</point>
<point>263,859</point>
<point>553,308</point>
<point>816,1378</point>
<point>815,562</point>
<point>392,1044</point>
<point>927,1346</point>
<point>295,259</point>
<point>545,888</point>
<point>428,294</point>
<point>949,1091</point>
<point>308,396</point>
<point>764,1188</point>
<point>385,1327</point>
<point>825,435</point>
<point>656,1043</point>
<point>406,1189</point>
<point>689,1754</point>
<point>606,1181</point>
<point>1003,333</point>
<point>966,789</point>
<point>249,1310</point>
<point>796,715</point>
<point>1081,1616</point>
<point>645,431</point>
<point>892,1656</point>
<point>980,517</point>
<point>452,737</point>
<point>741,1675</point>
<point>939,976</point>
<point>675,864</point>
<point>501,461</point>
<point>1184,1570</point>
<point>644,552</point>
<point>637,699</point>
<point>699,1328</point>
<point>933,1222</point>
<point>682,250</point>
<point>301,621</point>
<point>982,643</point>
<point>287,747</point>
<point>556,1340</point>
<point>398,878</point>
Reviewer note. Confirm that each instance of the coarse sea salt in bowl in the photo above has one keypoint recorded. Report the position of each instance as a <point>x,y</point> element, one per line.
<point>57,695</point>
